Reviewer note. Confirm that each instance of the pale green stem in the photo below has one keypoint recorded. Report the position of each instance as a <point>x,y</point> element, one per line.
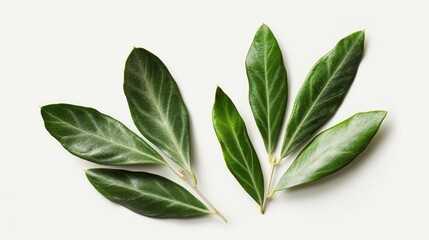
<point>182,175</point>
<point>273,163</point>
<point>185,177</point>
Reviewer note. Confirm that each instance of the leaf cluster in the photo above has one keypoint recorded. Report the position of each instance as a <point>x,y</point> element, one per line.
<point>319,98</point>
<point>161,116</point>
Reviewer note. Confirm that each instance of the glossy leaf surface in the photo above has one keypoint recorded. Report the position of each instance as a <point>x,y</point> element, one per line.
<point>323,91</point>
<point>156,105</point>
<point>267,85</point>
<point>238,152</point>
<point>146,194</point>
<point>96,137</point>
<point>332,149</point>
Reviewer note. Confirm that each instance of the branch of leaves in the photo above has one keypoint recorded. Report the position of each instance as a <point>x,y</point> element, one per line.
<point>161,116</point>
<point>317,101</point>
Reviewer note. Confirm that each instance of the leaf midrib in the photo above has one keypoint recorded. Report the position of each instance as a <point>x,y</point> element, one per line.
<point>163,119</point>
<point>267,94</point>
<point>320,94</point>
<point>105,139</point>
<point>244,157</point>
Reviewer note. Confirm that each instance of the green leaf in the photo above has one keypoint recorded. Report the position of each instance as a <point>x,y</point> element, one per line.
<point>96,137</point>
<point>267,85</point>
<point>332,149</point>
<point>323,91</point>
<point>156,105</point>
<point>238,151</point>
<point>146,194</point>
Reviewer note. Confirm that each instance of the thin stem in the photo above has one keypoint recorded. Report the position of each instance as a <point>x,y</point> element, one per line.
<point>271,194</point>
<point>210,204</point>
<point>273,162</point>
<point>185,177</point>
<point>273,167</point>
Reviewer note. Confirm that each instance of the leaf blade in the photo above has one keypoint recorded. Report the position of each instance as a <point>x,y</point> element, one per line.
<point>146,194</point>
<point>323,91</point>
<point>232,135</point>
<point>156,105</point>
<point>332,149</point>
<point>96,137</point>
<point>267,79</point>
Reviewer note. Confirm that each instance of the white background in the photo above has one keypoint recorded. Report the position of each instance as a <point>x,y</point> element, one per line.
<point>74,52</point>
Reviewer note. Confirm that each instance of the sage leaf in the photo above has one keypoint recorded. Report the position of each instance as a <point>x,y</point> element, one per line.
<point>332,149</point>
<point>267,85</point>
<point>146,194</point>
<point>238,152</point>
<point>96,137</point>
<point>323,91</point>
<point>156,106</point>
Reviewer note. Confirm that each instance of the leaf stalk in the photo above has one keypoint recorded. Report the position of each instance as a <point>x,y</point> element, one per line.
<point>273,161</point>
<point>194,186</point>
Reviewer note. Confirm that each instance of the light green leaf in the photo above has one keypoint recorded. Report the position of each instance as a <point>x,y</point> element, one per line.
<point>332,149</point>
<point>156,106</point>
<point>323,91</point>
<point>267,85</point>
<point>96,137</point>
<point>146,194</point>
<point>238,152</point>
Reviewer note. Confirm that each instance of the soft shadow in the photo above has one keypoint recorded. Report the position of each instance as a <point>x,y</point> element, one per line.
<point>365,46</point>
<point>341,176</point>
<point>195,155</point>
<point>196,221</point>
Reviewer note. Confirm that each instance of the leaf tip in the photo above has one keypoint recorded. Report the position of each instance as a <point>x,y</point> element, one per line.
<point>360,34</point>
<point>219,91</point>
<point>355,36</point>
<point>383,114</point>
<point>264,28</point>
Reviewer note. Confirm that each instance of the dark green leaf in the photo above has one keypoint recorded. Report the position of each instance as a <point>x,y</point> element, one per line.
<point>156,105</point>
<point>332,149</point>
<point>323,91</point>
<point>96,137</point>
<point>267,85</point>
<point>146,194</point>
<point>238,151</point>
